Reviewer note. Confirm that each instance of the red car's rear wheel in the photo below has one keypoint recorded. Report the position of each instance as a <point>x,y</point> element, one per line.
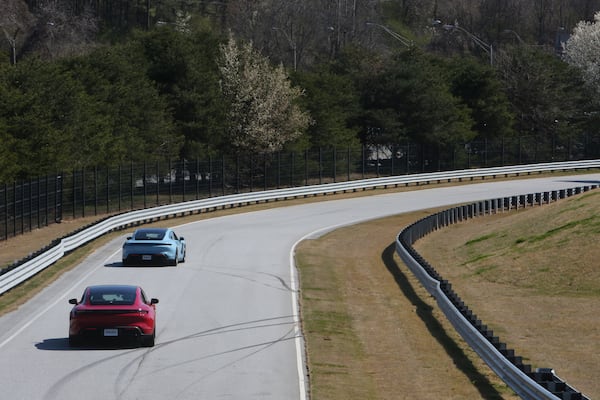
<point>148,340</point>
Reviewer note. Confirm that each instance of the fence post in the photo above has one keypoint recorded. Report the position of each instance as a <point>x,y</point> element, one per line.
<point>83,183</point>
<point>223,176</point>
<point>320,165</point>
<point>392,158</point>
<point>291,169</point>
<point>210,176</point>
<point>237,173</point>
<point>47,202</point>
<point>107,191</point>
<point>306,167</point>
<point>485,159</point>
<point>197,176</point>
<point>279,170</point>
<point>74,193</point>
<point>334,165</point>
<point>132,186</point>
<point>5,212</point>
<point>58,196</point>
<point>22,207</point>
<point>407,157</point>
<point>348,163</point>
<point>30,204</point>
<point>183,176</point>
<point>251,173</point>
<point>15,208</point>
<point>503,152</point>
<point>265,172</point>
<point>363,160</point>
<point>95,190</point>
<point>119,192</point>
<point>170,172</point>
<point>158,184</point>
<point>144,182</point>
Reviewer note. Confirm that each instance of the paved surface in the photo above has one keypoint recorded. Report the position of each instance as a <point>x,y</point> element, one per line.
<point>227,317</point>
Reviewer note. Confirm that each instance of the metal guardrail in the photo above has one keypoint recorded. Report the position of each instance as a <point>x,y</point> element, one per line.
<point>24,269</point>
<point>539,384</point>
<point>515,378</point>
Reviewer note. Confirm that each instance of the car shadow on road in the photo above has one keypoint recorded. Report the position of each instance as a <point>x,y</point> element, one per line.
<point>62,344</point>
<point>119,264</point>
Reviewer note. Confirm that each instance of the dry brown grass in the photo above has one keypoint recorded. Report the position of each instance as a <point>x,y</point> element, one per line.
<point>372,331</point>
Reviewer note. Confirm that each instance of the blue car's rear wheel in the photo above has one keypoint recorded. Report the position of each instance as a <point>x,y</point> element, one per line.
<point>175,260</point>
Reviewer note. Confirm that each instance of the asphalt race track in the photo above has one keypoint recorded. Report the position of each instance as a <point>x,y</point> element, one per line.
<point>227,317</point>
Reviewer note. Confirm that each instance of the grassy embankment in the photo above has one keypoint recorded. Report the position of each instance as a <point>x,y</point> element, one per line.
<point>532,276</point>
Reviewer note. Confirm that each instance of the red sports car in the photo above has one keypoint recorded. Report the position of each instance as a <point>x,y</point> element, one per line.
<point>113,311</point>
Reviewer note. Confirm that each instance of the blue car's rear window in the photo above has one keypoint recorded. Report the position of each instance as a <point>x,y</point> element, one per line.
<point>112,295</point>
<point>150,234</point>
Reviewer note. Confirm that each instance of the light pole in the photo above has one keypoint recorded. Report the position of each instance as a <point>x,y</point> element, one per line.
<point>515,34</point>
<point>405,41</point>
<point>483,45</point>
<point>291,42</point>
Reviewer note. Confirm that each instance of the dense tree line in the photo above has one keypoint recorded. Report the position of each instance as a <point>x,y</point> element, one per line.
<point>205,78</point>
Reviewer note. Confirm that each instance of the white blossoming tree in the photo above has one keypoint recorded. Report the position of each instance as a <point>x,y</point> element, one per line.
<point>583,50</point>
<point>263,113</point>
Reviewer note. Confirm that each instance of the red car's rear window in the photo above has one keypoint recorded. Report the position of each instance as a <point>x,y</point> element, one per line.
<point>112,295</point>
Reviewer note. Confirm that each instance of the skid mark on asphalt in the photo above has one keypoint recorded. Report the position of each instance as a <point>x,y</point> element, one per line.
<point>283,285</point>
<point>133,370</point>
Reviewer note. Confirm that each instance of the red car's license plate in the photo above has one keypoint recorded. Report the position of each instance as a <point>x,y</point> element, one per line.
<point>111,332</point>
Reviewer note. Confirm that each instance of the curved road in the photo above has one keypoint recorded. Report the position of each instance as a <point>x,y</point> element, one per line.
<point>227,318</point>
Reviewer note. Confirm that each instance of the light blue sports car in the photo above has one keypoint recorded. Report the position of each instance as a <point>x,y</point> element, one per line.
<point>154,246</point>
